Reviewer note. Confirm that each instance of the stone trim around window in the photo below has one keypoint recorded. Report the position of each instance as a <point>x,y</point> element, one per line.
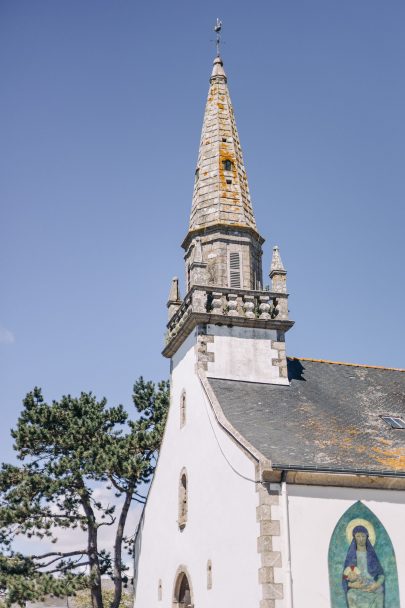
<point>181,572</point>
<point>183,499</point>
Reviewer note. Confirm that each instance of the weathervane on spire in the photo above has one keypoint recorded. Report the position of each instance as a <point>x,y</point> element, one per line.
<point>217,30</point>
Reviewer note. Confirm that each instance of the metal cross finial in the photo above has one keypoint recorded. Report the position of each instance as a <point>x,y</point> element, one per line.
<point>217,30</point>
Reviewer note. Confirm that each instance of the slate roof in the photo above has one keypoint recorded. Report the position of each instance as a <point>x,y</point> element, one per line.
<point>327,419</point>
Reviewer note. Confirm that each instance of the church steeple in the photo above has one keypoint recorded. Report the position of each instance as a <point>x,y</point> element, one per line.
<point>239,326</point>
<point>222,215</point>
<point>221,192</point>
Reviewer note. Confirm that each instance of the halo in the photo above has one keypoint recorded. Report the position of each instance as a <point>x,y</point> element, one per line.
<point>360,522</point>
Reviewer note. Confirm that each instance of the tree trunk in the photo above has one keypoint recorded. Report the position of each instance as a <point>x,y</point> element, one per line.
<point>92,551</point>
<point>118,547</point>
<point>95,578</point>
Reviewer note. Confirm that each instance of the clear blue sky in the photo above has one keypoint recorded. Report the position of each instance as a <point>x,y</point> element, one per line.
<point>101,108</point>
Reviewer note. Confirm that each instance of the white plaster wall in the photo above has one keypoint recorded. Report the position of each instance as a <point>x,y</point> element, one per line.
<point>243,353</point>
<point>313,514</point>
<point>222,505</point>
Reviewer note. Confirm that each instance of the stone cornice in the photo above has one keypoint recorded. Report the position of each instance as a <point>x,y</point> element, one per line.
<point>222,227</point>
<point>348,479</point>
<point>226,306</point>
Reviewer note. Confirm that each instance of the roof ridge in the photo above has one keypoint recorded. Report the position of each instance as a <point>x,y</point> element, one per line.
<point>392,369</point>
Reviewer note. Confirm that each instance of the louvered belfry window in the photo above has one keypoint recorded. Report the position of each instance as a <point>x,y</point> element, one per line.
<point>235,278</point>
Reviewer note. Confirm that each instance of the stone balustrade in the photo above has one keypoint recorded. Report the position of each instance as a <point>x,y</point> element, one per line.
<point>222,304</point>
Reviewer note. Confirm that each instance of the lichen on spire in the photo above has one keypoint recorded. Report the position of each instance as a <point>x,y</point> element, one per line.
<point>221,192</point>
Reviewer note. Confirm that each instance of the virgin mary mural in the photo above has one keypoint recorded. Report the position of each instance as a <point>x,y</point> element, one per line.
<point>362,566</point>
<point>363,576</point>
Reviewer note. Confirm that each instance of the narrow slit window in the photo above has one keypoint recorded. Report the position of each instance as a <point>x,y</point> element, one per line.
<point>229,181</point>
<point>183,500</point>
<point>227,164</point>
<point>183,409</point>
<point>394,422</point>
<point>224,139</point>
<point>209,574</point>
<point>235,275</point>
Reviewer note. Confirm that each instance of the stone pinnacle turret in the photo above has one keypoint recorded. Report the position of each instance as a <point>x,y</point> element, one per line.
<point>276,263</point>
<point>278,274</point>
<point>174,301</point>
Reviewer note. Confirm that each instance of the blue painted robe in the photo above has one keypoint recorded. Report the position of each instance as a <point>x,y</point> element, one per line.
<point>357,598</point>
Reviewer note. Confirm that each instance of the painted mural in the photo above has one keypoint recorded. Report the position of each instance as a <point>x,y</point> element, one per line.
<point>362,566</point>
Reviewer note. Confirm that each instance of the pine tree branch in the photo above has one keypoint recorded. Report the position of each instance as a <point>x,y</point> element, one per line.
<point>70,567</point>
<point>59,554</point>
<point>107,523</point>
<point>58,559</point>
<point>115,484</point>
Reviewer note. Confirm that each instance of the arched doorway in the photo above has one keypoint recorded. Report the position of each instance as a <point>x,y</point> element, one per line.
<point>182,591</point>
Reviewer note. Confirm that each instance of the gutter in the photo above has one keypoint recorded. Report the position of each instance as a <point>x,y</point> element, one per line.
<point>343,478</point>
<point>338,470</point>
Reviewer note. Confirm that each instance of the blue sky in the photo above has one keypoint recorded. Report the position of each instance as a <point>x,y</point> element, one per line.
<point>100,115</point>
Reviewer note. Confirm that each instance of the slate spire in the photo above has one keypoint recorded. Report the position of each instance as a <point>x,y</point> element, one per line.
<point>222,245</point>
<point>221,192</point>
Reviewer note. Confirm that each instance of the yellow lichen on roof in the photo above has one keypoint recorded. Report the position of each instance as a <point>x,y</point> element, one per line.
<point>392,459</point>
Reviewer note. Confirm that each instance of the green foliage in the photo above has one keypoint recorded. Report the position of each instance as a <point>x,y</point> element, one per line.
<point>67,449</point>
<point>82,599</point>
<point>21,581</point>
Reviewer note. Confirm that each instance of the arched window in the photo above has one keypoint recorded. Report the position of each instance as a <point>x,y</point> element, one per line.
<point>182,591</point>
<point>182,409</point>
<point>183,499</point>
<point>227,165</point>
<point>360,551</point>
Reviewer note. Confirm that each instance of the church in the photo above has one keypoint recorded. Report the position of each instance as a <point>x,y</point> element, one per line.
<point>280,481</point>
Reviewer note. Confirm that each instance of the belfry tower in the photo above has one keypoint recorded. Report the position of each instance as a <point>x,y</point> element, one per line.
<point>240,326</point>
<point>222,215</point>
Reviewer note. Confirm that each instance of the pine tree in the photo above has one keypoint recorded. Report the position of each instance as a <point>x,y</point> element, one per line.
<point>68,448</point>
